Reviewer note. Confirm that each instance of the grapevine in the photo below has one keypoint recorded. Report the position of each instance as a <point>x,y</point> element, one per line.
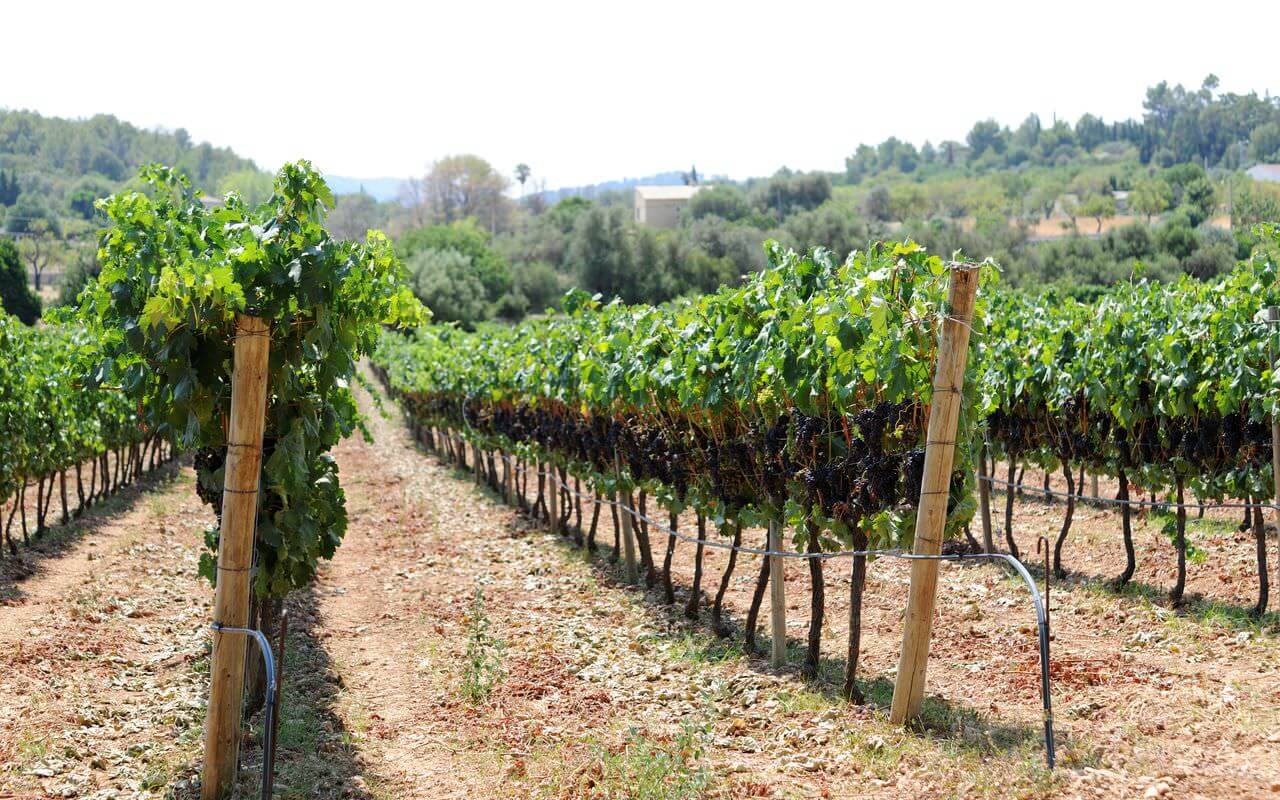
<point>801,397</point>
<point>53,427</point>
<point>176,273</point>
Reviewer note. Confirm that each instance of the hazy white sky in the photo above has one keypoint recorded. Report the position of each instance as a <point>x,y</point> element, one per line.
<point>593,91</point>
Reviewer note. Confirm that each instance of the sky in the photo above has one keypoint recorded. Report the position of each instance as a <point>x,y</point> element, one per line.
<point>594,91</point>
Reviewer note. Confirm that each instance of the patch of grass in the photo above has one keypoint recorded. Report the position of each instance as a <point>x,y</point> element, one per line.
<point>1206,613</point>
<point>32,749</point>
<point>299,728</point>
<point>879,754</point>
<point>699,648</point>
<point>801,699</point>
<point>646,767</point>
<point>482,664</point>
<point>159,504</point>
<point>882,749</point>
<point>1212,525</point>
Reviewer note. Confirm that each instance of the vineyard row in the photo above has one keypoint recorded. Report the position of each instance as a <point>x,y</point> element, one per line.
<point>58,435</point>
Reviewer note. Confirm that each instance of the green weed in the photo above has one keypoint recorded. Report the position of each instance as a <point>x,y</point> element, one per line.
<point>482,670</point>
<point>645,768</point>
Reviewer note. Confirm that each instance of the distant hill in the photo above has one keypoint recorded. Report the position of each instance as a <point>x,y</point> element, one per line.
<point>592,191</point>
<point>388,189</point>
<point>382,189</point>
<point>56,167</point>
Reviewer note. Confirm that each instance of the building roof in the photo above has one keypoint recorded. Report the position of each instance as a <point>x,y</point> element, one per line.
<point>1264,172</point>
<point>666,192</point>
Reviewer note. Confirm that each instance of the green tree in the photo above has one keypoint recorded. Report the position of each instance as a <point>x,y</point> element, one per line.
<point>523,171</point>
<point>1264,144</point>
<point>39,247</point>
<point>1098,206</point>
<point>354,215</point>
<point>16,297</point>
<point>28,213</point>
<point>176,275</point>
<point>984,136</point>
<point>1090,131</point>
<point>253,186</point>
<point>539,283</point>
<point>79,272</point>
<point>462,186</point>
<point>601,256</point>
<point>726,201</point>
<point>471,240</point>
<point>863,163</point>
<point>1028,133</point>
<point>878,204</point>
<point>9,188</point>
<point>88,190</point>
<point>1177,236</point>
<point>1150,197</point>
<point>1254,203</point>
<point>447,282</point>
<point>787,192</point>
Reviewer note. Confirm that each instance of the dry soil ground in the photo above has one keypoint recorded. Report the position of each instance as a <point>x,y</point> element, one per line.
<point>560,681</point>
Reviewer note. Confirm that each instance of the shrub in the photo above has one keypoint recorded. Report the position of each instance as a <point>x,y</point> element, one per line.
<point>15,294</point>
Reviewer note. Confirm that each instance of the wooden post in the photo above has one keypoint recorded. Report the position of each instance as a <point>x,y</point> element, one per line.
<point>777,599</point>
<point>944,413</point>
<point>553,497</point>
<point>1273,320</point>
<point>235,552</point>
<point>628,535</point>
<point>1273,324</point>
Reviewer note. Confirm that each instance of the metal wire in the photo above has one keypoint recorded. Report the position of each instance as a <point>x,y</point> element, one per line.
<point>1042,617</point>
<point>1115,501</point>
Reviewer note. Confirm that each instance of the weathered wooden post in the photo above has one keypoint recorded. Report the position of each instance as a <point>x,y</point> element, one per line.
<point>1273,322</point>
<point>553,498</point>
<point>628,535</point>
<point>235,552</point>
<point>777,598</point>
<point>931,518</point>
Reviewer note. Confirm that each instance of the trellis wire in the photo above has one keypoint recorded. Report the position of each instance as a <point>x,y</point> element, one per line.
<point>1040,490</point>
<point>1042,620</point>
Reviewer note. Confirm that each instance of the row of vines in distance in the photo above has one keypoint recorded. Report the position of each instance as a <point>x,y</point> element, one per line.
<point>800,398</point>
<point>1169,387</point>
<point>69,443</point>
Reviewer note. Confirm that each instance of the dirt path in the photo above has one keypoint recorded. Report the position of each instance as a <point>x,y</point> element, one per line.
<point>1147,699</point>
<point>103,651</point>
<point>558,682</point>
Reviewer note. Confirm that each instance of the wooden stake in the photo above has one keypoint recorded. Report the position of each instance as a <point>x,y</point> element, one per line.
<point>553,497</point>
<point>628,535</point>
<point>1273,317</point>
<point>235,552</point>
<point>944,414</point>
<point>777,600</point>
